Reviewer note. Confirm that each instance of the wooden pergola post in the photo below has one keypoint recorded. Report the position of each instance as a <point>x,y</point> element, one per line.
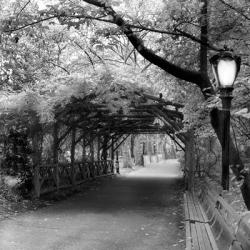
<point>112,154</point>
<point>104,147</point>
<point>117,155</point>
<point>98,148</point>
<point>83,149</point>
<point>112,150</point>
<point>92,155</point>
<point>117,167</point>
<point>157,146</point>
<point>55,153</point>
<point>143,148</point>
<point>36,158</point>
<point>72,155</point>
<point>92,150</point>
<point>149,148</point>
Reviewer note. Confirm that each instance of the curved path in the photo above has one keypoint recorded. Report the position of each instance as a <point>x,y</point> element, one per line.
<point>139,211</point>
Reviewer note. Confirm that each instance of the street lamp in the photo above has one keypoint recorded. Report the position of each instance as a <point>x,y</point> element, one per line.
<point>226,67</point>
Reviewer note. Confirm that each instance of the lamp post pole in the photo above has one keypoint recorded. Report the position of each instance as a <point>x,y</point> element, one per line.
<point>226,67</point>
<point>226,98</point>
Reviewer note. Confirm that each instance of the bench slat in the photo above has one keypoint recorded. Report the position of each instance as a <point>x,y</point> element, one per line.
<point>188,236</point>
<point>192,211</point>
<point>200,236</point>
<point>187,215</point>
<point>211,237</point>
<point>198,232</point>
<point>198,210</point>
<point>208,230</point>
<point>206,238</point>
<point>187,225</point>
<point>194,237</point>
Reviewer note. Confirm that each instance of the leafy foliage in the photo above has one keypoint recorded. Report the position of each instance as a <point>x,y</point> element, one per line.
<point>16,160</point>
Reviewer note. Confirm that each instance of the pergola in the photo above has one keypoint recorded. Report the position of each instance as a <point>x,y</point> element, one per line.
<point>100,130</point>
<point>87,120</point>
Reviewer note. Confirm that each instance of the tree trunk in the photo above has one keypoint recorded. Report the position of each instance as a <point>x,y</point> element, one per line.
<point>245,190</point>
<point>234,157</point>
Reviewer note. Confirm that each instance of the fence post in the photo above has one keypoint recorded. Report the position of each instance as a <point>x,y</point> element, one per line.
<point>36,181</point>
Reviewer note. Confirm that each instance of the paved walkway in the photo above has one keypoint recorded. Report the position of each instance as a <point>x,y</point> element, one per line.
<point>122,213</point>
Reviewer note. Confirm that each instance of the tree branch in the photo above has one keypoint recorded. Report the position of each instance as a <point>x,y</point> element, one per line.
<point>23,8</point>
<point>59,66</point>
<point>184,74</point>
<point>29,24</point>
<point>235,9</point>
<point>177,31</point>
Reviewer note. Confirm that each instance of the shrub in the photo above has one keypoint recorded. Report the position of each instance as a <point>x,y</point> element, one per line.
<point>17,160</point>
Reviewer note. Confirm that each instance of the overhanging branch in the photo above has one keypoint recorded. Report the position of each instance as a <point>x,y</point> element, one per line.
<point>177,71</point>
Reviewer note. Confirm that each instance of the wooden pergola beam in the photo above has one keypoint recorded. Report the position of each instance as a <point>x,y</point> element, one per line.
<point>98,120</point>
<point>161,100</point>
<point>119,144</point>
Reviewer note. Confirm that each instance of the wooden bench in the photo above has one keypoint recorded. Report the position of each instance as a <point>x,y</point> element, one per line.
<point>211,223</point>
<point>231,231</point>
<point>198,232</point>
